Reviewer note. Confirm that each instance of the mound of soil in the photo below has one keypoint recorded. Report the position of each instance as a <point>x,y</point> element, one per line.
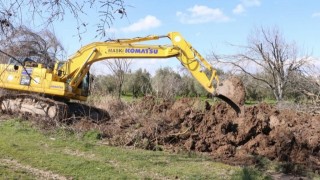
<point>189,125</point>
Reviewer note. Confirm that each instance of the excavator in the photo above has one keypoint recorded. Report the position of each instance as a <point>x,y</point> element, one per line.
<point>50,91</point>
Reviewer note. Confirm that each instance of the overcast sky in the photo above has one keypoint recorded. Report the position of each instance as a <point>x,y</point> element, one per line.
<point>209,25</point>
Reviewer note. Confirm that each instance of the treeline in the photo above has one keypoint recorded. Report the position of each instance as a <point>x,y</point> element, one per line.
<point>168,84</point>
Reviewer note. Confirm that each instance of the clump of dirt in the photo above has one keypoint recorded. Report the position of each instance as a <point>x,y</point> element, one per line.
<point>232,89</point>
<point>189,125</point>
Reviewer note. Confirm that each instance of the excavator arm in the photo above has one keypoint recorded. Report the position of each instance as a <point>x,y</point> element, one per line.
<point>79,64</point>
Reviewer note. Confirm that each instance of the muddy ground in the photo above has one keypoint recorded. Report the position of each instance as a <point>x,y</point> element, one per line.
<point>191,125</point>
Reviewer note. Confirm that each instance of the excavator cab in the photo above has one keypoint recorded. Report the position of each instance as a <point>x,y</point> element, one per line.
<point>85,85</point>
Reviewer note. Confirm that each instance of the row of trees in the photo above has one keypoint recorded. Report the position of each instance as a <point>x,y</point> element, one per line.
<point>166,83</point>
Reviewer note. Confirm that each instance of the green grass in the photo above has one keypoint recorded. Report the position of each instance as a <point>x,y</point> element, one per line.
<point>66,154</point>
<point>268,101</point>
<point>128,98</point>
<point>10,173</point>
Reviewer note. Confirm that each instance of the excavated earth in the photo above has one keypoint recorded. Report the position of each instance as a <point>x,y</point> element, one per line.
<point>189,125</point>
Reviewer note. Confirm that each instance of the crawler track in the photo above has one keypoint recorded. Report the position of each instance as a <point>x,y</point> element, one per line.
<point>33,105</point>
<point>36,106</point>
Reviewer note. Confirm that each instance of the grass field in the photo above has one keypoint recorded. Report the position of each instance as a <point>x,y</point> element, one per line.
<point>27,153</point>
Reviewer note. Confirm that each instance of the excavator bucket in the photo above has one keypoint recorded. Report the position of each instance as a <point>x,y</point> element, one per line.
<point>232,91</point>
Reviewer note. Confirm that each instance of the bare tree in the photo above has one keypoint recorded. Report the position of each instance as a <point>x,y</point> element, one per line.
<point>43,13</point>
<point>269,59</point>
<point>43,46</point>
<point>307,84</point>
<point>118,68</point>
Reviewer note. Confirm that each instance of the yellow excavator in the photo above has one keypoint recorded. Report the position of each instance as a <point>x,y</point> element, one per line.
<point>69,80</point>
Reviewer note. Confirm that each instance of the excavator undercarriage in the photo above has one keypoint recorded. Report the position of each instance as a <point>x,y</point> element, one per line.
<point>28,105</point>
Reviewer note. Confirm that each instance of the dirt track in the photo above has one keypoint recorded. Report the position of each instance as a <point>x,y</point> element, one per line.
<point>37,173</point>
<point>188,125</point>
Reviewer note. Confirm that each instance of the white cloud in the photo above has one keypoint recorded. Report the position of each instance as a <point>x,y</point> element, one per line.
<point>202,14</point>
<point>251,3</point>
<point>316,14</point>
<point>239,9</point>
<point>146,23</point>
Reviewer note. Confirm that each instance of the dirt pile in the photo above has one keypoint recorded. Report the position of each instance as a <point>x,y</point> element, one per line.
<point>190,125</point>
